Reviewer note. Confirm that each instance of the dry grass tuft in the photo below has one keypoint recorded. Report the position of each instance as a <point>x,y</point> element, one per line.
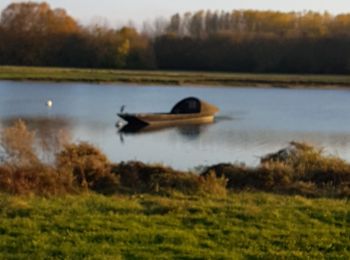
<point>211,184</point>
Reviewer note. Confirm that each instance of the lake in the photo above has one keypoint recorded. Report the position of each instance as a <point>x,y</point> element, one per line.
<point>252,121</point>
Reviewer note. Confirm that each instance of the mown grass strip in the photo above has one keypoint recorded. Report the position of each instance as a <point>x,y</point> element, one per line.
<point>172,77</point>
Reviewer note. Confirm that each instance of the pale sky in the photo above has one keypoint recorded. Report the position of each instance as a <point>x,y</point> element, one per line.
<point>121,11</point>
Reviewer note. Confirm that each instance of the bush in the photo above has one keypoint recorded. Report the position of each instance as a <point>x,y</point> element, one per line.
<point>17,144</point>
<point>310,165</point>
<point>21,171</point>
<point>263,177</point>
<point>140,177</point>
<point>88,165</point>
<point>299,168</point>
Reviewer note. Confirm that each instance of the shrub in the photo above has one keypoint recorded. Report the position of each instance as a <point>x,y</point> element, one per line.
<point>322,169</point>
<point>263,177</point>
<point>299,168</point>
<point>89,166</point>
<point>309,164</point>
<point>139,176</point>
<point>17,143</point>
<point>274,175</point>
<point>21,171</point>
<point>77,166</point>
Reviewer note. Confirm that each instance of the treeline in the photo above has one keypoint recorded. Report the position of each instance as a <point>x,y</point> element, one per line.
<point>241,40</point>
<point>34,34</point>
<point>259,23</point>
<point>256,41</point>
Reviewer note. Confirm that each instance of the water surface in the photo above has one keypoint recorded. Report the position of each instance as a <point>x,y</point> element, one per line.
<point>252,121</point>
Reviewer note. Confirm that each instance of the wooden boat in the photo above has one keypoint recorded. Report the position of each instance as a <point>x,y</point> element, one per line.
<point>190,110</point>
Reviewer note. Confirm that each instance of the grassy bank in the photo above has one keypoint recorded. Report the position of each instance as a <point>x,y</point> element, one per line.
<point>244,225</point>
<point>172,78</point>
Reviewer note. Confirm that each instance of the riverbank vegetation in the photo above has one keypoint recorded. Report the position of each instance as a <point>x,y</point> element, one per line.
<point>178,78</point>
<point>74,168</point>
<point>34,34</point>
<point>78,205</point>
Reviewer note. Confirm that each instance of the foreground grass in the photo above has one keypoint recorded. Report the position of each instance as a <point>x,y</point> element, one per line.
<point>172,78</point>
<point>244,225</point>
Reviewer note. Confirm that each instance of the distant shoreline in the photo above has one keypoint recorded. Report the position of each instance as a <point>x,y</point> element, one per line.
<point>177,78</point>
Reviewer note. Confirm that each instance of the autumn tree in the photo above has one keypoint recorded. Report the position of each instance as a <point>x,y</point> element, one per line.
<point>31,31</point>
<point>136,48</point>
<point>35,34</point>
<point>37,18</point>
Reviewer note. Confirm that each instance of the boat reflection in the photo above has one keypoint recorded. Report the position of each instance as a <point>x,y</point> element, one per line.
<point>190,131</point>
<point>137,129</point>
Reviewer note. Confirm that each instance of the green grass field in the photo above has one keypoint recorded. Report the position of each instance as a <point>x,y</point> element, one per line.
<point>172,78</point>
<point>243,225</point>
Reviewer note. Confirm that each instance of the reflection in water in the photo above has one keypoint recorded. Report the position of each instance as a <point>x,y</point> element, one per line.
<point>186,130</point>
<point>190,131</point>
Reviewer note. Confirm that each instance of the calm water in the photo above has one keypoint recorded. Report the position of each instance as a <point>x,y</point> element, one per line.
<point>252,122</point>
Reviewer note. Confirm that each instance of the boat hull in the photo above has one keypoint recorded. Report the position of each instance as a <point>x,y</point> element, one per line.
<point>160,120</point>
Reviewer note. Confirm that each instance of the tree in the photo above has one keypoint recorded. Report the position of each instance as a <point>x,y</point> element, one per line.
<point>196,25</point>
<point>31,31</point>
<point>174,25</point>
<point>136,49</point>
<point>37,18</point>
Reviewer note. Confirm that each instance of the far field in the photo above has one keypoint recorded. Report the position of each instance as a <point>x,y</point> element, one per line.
<point>243,225</point>
<point>172,77</point>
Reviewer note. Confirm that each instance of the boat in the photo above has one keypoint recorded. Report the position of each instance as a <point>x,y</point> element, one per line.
<point>190,110</point>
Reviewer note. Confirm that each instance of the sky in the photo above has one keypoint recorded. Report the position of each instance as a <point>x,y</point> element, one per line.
<point>121,11</point>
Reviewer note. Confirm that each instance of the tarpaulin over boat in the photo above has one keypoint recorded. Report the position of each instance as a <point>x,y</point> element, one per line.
<point>193,105</point>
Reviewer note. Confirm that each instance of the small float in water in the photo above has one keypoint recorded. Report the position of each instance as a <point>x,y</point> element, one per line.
<point>49,103</point>
<point>188,111</point>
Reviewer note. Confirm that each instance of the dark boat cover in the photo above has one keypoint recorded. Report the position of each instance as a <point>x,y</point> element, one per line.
<point>192,105</point>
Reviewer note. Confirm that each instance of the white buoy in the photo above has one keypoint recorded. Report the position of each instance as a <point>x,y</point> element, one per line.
<point>49,103</point>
